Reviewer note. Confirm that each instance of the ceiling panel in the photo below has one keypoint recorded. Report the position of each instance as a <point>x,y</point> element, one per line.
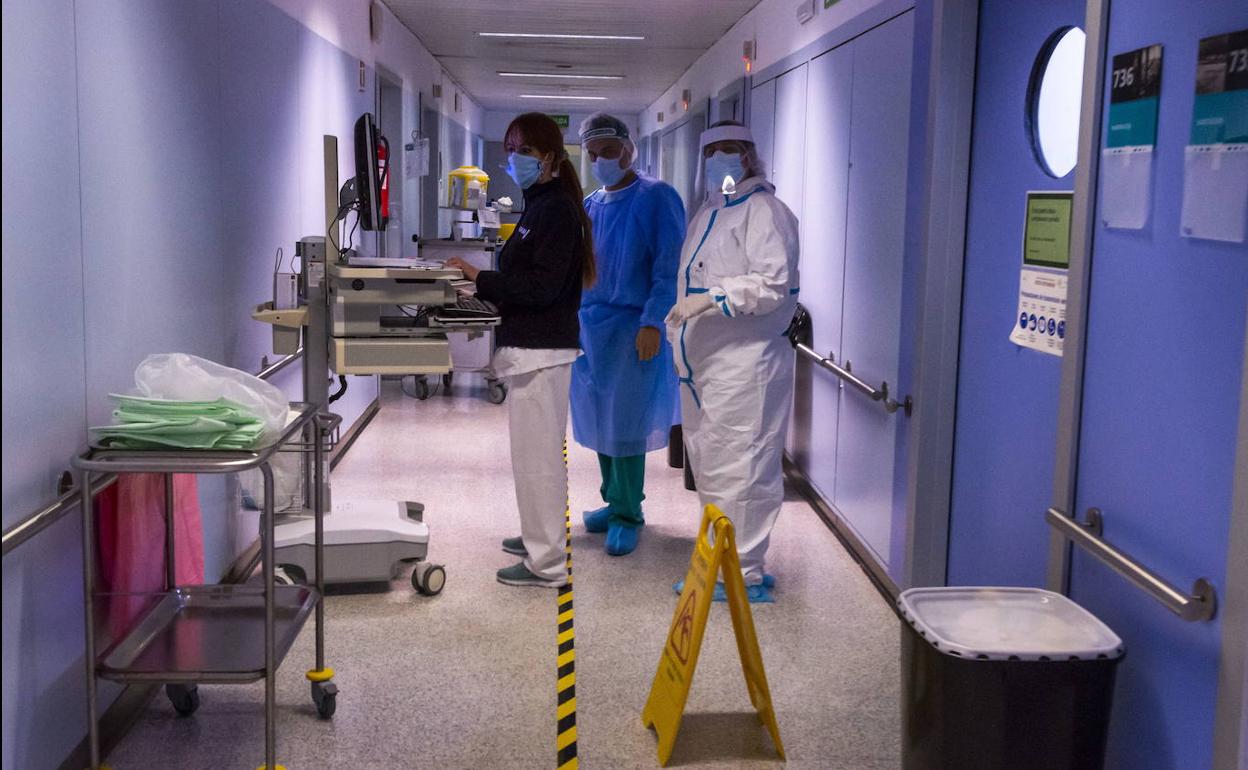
<point>676,33</point>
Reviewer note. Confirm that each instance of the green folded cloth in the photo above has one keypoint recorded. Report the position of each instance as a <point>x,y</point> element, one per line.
<point>150,423</point>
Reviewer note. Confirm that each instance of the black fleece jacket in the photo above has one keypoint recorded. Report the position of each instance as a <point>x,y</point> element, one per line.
<point>538,284</point>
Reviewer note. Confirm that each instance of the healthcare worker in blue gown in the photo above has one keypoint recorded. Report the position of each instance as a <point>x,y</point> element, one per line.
<point>624,391</point>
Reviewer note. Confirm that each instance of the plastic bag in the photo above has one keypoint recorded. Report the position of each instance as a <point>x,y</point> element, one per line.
<point>183,377</point>
<point>287,484</point>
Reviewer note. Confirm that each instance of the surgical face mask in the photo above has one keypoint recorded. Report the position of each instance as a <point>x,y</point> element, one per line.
<point>723,171</point>
<point>608,171</point>
<point>524,170</point>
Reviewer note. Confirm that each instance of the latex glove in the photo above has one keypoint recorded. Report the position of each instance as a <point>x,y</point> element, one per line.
<point>647,343</point>
<point>689,307</point>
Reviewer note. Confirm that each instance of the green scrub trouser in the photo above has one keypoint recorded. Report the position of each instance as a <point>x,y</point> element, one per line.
<point>622,481</point>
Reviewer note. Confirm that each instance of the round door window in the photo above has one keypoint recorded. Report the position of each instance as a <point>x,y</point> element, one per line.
<point>1053,101</point>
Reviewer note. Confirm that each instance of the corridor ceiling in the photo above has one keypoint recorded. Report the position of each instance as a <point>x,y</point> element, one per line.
<point>676,33</point>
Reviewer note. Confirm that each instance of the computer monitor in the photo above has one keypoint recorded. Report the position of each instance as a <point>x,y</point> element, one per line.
<point>368,173</point>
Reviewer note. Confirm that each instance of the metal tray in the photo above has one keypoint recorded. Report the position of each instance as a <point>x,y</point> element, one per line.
<point>207,634</point>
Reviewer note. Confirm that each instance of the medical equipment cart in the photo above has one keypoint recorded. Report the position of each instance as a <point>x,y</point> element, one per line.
<point>477,342</point>
<point>218,634</point>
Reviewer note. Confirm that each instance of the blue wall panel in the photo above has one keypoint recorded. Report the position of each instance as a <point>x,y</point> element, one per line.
<point>1161,391</point>
<point>183,146</point>
<point>874,262</point>
<point>813,435</point>
<point>1007,396</point>
<point>44,381</point>
<point>259,163</point>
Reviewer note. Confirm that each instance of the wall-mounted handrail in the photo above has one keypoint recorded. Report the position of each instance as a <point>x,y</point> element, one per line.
<point>45,517</point>
<point>1201,603</point>
<point>846,374</point>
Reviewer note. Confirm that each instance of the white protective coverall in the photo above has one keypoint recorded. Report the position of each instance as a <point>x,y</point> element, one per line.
<point>735,363</point>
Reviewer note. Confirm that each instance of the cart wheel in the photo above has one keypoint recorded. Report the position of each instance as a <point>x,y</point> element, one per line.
<point>428,579</point>
<point>422,388</point>
<point>497,393</point>
<point>290,575</point>
<point>184,697</point>
<point>446,383</point>
<point>325,696</point>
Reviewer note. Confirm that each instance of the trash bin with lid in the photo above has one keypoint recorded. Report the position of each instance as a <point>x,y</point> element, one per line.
<point>999,678</point>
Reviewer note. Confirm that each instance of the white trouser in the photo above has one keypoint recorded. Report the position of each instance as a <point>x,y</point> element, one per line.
<point>735,433</point>
<point>537,412</point>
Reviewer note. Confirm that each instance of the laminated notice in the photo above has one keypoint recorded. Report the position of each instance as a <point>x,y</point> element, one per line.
<point>1126,172</point>
<point>1041,318</point>
<point>1215,165</point>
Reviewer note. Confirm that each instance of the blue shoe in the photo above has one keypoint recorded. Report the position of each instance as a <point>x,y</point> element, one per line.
<point>519,575</point>
<point>622,540</point>
<point>597,521</point>
<point>769,582</point>
<point>759,594</point>
<point>515,545</point>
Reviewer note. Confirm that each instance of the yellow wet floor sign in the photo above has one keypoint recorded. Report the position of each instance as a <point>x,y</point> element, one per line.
<point>666,705</point>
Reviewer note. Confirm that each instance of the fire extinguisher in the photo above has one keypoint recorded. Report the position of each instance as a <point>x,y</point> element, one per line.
<point>383,170</point>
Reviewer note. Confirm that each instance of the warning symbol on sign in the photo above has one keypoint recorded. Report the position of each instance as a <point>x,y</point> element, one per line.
<point>681,639</point>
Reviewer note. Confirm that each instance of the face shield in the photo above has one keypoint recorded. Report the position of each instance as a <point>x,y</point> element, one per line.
<point>609,147</point>
<point>727,156</point>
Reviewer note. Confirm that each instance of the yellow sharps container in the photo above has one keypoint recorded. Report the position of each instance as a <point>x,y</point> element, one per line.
<point>466,187</point>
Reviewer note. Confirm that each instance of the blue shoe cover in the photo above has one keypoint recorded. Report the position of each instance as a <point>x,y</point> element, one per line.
<point>763,592</point>
<point>622,540</point>
<point>596,521</point>
<point>759,594</point>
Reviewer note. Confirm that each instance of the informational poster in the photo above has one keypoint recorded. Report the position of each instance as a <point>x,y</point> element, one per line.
<point>1040,323</point>
<point>416,158</point>
<point>1127,160</point>
<point>1215,169</point>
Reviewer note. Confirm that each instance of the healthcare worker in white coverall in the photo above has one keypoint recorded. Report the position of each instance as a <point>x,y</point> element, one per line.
<point>736,293</point>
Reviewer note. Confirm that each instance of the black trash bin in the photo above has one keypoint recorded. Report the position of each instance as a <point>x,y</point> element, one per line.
<point>1004,679</point>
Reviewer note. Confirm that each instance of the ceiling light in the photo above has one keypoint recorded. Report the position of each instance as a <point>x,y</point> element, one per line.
<point>558,75</point>
<point>561,37</point>
<point>556,96</point>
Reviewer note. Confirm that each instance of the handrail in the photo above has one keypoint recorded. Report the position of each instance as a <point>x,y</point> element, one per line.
<point>845,373</point>
<point>1198,605</point>
<point>40,520</point>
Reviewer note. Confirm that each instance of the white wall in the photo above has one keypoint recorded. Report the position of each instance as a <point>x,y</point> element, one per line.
<point>155,157</point>
<point>773,25</point>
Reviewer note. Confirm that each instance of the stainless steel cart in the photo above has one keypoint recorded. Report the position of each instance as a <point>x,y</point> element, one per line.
<point>218,634</point>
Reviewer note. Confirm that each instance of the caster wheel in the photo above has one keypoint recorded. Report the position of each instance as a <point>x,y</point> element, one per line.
<point>428,579</point>
<point>325,696</point>
<point>497,393</point>
<point>422,388</point>
<point>446,383</point>
<point>184,697</point>
<point>290,575</point>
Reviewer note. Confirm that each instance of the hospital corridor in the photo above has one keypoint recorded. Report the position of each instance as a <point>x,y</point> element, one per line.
<point>845,384</point>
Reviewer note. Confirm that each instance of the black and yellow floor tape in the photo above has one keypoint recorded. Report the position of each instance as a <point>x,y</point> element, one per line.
<point>565,710</point>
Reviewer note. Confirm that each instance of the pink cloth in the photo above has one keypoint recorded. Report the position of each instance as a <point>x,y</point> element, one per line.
<point>130,522</point>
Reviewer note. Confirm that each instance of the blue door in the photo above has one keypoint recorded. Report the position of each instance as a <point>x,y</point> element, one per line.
<point>1007,396</point>
<point>1165,343</point>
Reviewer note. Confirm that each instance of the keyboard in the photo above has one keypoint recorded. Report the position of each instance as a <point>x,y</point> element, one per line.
<point>467,309</point>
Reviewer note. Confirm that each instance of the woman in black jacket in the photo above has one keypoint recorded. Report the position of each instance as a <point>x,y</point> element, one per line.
<point>542,269</point>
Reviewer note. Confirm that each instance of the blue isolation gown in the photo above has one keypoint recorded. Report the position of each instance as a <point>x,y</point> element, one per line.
<point>621,406</point>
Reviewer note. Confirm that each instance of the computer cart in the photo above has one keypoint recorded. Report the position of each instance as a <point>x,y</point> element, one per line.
<point>472,348</point>
<point>217,634</point>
